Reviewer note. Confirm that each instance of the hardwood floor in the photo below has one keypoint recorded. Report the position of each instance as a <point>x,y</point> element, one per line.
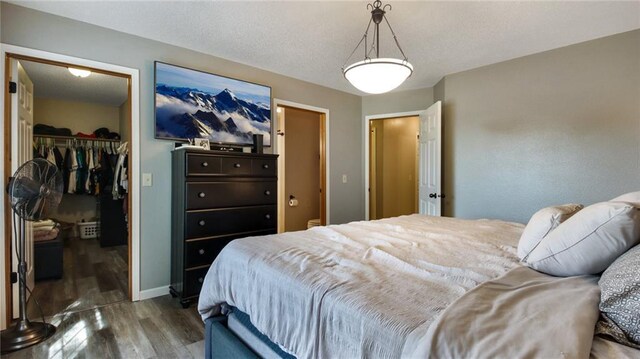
<point>153,328</point>
<point>89,306</point>
<point>92,276</point>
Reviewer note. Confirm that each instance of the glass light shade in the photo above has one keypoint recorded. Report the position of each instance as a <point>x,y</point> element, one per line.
<point>79,72</point>
<point>378,75</point>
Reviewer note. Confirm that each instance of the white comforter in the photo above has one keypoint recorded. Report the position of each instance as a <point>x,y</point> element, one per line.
<point>357,289</point>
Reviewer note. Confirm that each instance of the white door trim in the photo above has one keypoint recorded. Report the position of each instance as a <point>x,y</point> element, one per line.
<point>366,148</point>
<point>135,157</point>
<point>274,143</point>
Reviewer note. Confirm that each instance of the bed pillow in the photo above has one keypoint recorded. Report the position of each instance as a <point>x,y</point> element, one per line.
<point>541,223</point>
<point>589,241</point>
<point>631,197</point>
<point>620,297</point>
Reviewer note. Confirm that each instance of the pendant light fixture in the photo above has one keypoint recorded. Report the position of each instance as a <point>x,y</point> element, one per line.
<point>377,75</point>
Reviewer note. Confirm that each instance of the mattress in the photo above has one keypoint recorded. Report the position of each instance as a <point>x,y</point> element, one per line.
<point>357,289</point>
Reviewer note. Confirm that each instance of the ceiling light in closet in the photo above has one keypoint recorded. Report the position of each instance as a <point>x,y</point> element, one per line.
<point>79,72</point>
<point>377,75</point>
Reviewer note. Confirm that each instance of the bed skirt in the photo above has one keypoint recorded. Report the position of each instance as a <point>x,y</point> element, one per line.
<point>233,336</point>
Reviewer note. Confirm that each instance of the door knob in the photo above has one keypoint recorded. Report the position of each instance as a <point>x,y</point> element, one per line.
<point>432,195</point>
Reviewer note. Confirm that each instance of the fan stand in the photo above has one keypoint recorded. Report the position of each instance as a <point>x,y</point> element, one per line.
<point>24,333</point>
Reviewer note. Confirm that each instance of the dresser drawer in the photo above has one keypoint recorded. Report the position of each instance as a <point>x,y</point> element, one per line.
<point>193,280</point>
<point>219,222</point>
<point>205,195</point>
<point>198,165</point>
<point>204,251</point>
<point>264,167</point>
<point>236,166</point>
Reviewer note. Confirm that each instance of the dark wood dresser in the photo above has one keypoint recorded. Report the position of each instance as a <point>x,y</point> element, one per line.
<point>216,197</point>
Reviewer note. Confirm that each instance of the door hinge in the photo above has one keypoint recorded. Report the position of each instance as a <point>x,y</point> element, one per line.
<point>14,277</point>
<point>13,87</point>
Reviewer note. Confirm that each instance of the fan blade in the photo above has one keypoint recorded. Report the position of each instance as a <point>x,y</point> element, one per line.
<point>25,187</point>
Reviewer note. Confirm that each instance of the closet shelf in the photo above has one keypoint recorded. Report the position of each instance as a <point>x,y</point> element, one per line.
<point>77,138</point>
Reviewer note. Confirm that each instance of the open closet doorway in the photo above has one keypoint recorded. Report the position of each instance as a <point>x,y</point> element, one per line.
<point>81,120</point>
<point>403,163</point>
<point>393,166</point>
<point>302,145</point>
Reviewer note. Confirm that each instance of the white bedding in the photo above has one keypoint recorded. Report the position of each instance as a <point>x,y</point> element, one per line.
<point>358,289</point>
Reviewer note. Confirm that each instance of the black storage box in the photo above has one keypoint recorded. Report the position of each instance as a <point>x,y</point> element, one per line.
<point>48,258</point>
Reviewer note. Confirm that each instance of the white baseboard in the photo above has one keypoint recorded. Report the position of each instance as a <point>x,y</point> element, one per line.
<point>154,292</point>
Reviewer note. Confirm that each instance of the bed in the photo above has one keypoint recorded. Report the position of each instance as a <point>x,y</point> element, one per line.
<point>377,289</point>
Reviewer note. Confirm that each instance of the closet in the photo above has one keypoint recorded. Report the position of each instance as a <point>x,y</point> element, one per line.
<point>81,125</point>
<point>94,168</point>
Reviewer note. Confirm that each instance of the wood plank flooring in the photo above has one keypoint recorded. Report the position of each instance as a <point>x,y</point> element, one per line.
<point>89,306</point>
<point>92,276</point>
<point>153,328</point>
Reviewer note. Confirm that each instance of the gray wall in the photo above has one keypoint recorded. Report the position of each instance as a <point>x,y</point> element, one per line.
<point>401,101</point>
<point>555,127</point>
<point>33,29</point>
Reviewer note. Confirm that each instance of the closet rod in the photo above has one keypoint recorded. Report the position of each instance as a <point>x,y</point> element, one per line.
<point>77,138</point>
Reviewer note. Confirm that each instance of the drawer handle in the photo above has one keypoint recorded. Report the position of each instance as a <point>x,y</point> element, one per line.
<point>201,194</point>
<point>200,280</point>
<point>202,222</point>
<point>205,164</point>
<point>265,166</point>
<point>267,216</point>
<point>201,251</point>
<point>267,193</point>
<point>236,165</point>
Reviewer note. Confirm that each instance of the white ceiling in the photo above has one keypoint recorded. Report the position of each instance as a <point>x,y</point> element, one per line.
<point>51,81</point>
<point>310,40</point>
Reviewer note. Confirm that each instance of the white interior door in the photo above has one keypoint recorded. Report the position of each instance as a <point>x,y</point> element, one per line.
<point>430,152</point>
<point>280,144</point>
<point>21,152</point>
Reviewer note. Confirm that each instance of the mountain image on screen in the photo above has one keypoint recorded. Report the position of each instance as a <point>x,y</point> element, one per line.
<point>223,117</point>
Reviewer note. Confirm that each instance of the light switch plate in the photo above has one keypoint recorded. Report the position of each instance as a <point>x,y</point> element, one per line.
<point>344,178</point>
<point>147,180</point>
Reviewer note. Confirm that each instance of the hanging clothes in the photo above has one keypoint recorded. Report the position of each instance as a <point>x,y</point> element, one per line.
<point>120,171</point>
<point>89,169</point>
<point>73,169</point>
<point>66,169</point>
<point>59,158</point>
<point>51,157</point>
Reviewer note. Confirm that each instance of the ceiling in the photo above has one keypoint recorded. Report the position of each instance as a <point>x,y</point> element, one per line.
<point>51,81</point>
<point>310,40</point>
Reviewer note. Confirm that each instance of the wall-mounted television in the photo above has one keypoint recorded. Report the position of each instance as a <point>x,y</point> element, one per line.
<point>195,104</point>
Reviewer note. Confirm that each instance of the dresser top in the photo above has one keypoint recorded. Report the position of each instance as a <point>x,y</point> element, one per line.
<point>224,153</point>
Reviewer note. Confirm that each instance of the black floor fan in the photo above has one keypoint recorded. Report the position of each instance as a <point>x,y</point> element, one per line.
<point>35,190</point>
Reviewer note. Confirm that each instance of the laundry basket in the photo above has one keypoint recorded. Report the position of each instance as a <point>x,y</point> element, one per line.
<point>88,230</point>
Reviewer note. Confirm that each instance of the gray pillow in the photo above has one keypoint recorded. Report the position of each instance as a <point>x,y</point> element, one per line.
<point>589,241</point>
<point>631,197</point>
<point>620,297</point>
<point>542,223</point>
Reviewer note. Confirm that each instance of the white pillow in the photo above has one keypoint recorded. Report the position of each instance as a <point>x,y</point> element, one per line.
<point>631,197</point>
<point>589,241</point>
<point>541,224</point>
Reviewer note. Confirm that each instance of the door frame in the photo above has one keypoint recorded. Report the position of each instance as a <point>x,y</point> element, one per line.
<point>133,75</point>
<point>324,159</point>
<point>367,129</point>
